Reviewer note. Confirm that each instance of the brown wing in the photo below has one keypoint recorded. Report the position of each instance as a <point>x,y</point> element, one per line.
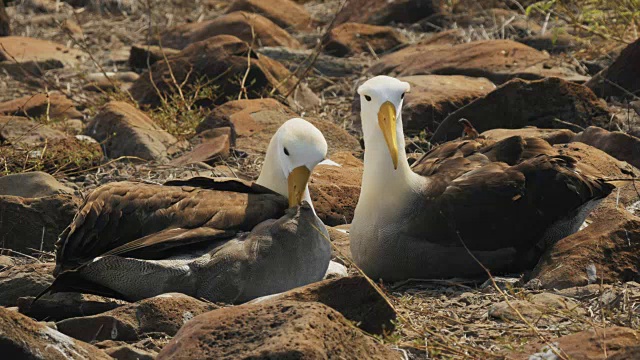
<point>119,213</point>
<point>501,194</point>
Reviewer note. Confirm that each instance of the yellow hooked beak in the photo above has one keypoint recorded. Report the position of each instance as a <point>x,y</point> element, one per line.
<point>297,184</point>
<point>387,122</point>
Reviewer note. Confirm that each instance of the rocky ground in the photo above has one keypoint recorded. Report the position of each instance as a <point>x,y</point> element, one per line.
<point>98,91</point>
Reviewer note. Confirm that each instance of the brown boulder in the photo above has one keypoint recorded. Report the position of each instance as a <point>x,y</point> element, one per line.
<point>143,56</point>
<point>382,12</point>
<point>431,99</point>
<point>253,123</point>
<point>549,103</point>
<point>58,107</point>
<point>285,13</point>
<point>24,280</point>
<point>353,38</point>
<point>552,136</point>
<point>594,344</point>
<point>207,60</point>
<point>214,147</point>
<point>127,131</point>
<point>163,314</point>
<point>45,53</point>
<point>622,77</point>
<point>23,338</point>
<point>283,329</point>
<point>35,223</point>
<point>351,296</point>
<point>32,185</point>
<point>18,130</point>
<point>617,144</point>
<point>335,190</point>
<point>241,24</point>
<point>608,250</point>
<point>496,60</point>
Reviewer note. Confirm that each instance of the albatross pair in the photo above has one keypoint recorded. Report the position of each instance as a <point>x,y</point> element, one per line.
<point>219,239</point>
<point>504,202</point>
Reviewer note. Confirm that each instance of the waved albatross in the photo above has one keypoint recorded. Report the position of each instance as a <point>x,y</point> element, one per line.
<point>220,239</point>
<point>506,201</point>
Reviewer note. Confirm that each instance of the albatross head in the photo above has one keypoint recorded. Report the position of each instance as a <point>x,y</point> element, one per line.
<point>295,149</point>
<point>381,103</point>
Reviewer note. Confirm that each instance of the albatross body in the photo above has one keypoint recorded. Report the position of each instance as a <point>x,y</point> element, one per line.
<point>220,239</point>
<point>504,202</point>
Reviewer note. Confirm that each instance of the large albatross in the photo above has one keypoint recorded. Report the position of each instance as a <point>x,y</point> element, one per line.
<point>505,201</point>
<point>220,239</point>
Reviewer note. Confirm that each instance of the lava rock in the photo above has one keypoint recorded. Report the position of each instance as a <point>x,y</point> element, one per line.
<point>353,38</point>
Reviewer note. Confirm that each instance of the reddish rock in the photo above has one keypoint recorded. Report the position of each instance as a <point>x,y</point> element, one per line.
<point>253,123</point>
<point>241,24</point>
<point>353,38</point>
<point>352,296</point>
<point>23,338</point>
<point>335,190</point>
<point>431,99</point>
<point>617,144</point>
<point>58,107</point>
<point>127,131</point>
<point>212,148</point>
<point>496,60</point>
<point>142,56</point>
<point>24,280</point>
<point>548,103</point>
<point>283,329</point>
<point>32,185</point>
<point>383,12</point>
<point>25,49</point>
<point>622,77</point>
<point>552,136</point>
<point>163,314</point>
<point>223,54</point>
<point>285,13</point>
<point>594,344</point>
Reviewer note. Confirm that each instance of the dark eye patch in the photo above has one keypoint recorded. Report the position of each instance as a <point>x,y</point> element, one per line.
<point>286,152</point>
<point>402,96</point>
<point>367,97</point>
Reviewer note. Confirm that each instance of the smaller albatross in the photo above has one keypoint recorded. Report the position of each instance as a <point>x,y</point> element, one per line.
<point>506,201</point>
<point>220,239</point>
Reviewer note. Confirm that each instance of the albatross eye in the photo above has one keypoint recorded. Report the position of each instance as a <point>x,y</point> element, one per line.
<point>402,96</point>
<point>367,97</point>
<point>286,152</point>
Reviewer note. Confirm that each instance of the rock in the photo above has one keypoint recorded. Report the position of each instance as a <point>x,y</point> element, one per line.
<point>163,314</point>
<point>239,24</point>
<point>5,262</point>
<point>23,338</point>
<point>111,81</point>
<point>353,38</point>
<point>59,306</point>
<point>549,103</point>
<point>224,54</point>
<point>552,136</point>
<point>210,150</point>
<point>140,350</point>
<point>431,99</point>
<point>35,223</point>
<point>608,250</point>
<point>542,308</point>
<point>24,280</point>
<point>326,65</point>
<point>285,13</point>
<point>341,251</point>
<point>283,329</point>
<point>143,56</point>
<point>253,123</point>
<point>496,60</point>
<point>58,107</point>
<point>45,54</point>
<point>20,130</point>
<point>383,11</point>
<point>32,185</point>
<point>551,43</point>
<point>5,28</point>
<point>360,304</point>
<point>622,77</point>
<point>334,271</point>
<point>126,131</point>
<point>335,190</point>
<point>617,144</point>
<point>616,342</point>
<point>128,352</point>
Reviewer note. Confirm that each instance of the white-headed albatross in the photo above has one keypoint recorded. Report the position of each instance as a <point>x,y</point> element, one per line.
<point>220,239</point>
<point>507,200</point>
